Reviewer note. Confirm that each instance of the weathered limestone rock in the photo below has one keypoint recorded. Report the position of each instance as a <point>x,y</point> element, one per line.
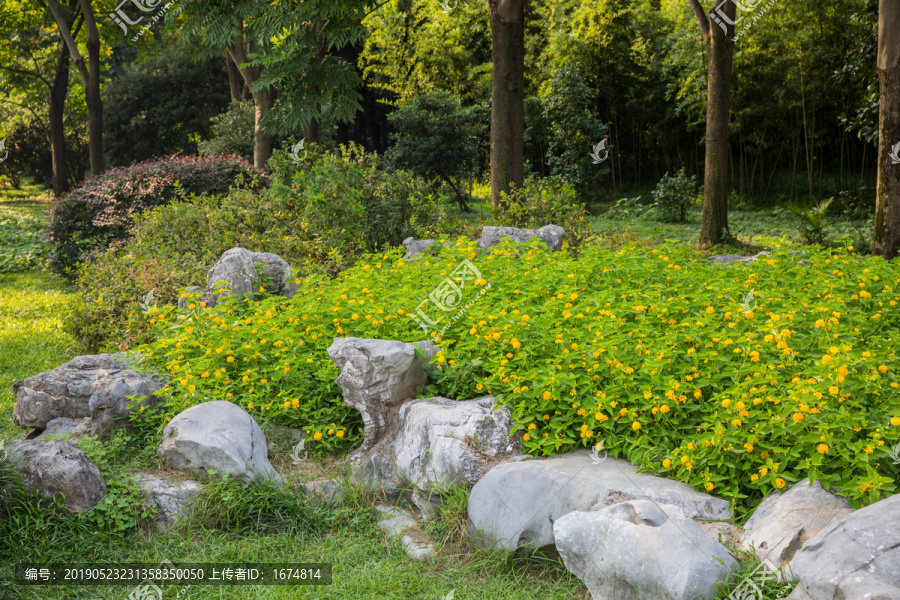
<point>551,234</point>
<point>414,246</point>
<point>172,500</point>
<point>733,258</point>
<point>377,375</point>
<point>516,504</point>
<point>855,557</point>
<point>58,469</point>
<point>218,436</point>
<point>638,549</point>
<point>95,386</point>
<point>70,430</point>
<point>398,522</point>
<point>237,267</point>
<point>783,522</point>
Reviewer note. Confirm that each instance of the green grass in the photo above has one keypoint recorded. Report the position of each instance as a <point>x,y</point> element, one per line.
<point>23,228</point>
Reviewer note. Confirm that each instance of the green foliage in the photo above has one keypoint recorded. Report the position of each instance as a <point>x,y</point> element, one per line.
<point>321,215</point>
<point>162,106</point>
<point>102,211</point>
<point>627,209</point>
<point>544,202</point>
<point>662,355</point>
<point>674,195</point>
<point>21,242</point>
<point>438,139</point>
<point>813,222</point>
<point>231,132</point>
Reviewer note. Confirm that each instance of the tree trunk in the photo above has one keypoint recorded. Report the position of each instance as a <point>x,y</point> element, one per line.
<point>235,83</point>
<point>508,96</point>
<point>92,91</point>
<point>887,203</point>
<point>58,91</point>
<point>718,34</point>
<point>263,100</point>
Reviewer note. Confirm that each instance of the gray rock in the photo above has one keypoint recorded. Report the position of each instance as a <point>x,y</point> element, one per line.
<point>172,501</point>
<point>733,258</point>
<point>397,523</point>
<point>70,430</point>
<point>377,375</point>
<point>857,557</point>
<point>414,246</point>
<point>783,522</point>
<point>218,436</point>
<point>639,549</point>
<point>327,489</point>
<point>94,386</point>
<point>58,469</point>
<point>197,294</point>
<point>552,235</point>
<point>516,504</point>
<point>237,268</point>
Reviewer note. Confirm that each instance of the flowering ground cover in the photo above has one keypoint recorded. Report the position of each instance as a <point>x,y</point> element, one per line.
<point>737,380</point>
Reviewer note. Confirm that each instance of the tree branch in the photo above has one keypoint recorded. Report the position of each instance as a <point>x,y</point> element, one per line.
<point>24,72</point>
<point>702,19</point>
<point>70,41</point>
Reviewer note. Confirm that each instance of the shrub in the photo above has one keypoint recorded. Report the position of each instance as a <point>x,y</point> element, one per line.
<point>337,209</point>
<point>102,210</point>
<point>438,139</point>
<point>674,195</point>
<point>542,202</point>
<point>231,132</point>
<point>813,222</point>
<point>661,355</point>
<point>627,208</point>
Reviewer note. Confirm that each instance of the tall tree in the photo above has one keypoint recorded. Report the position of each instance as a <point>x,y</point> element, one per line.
<point>887,203</point>
<point>90,74</point>
<point>717,30</point>
<point>35,56</point>
<point>508,96</point>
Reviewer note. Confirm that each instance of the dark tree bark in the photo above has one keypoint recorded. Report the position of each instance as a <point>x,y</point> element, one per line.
<point>508,96</point>
<point>263,100</point>
<point>58,91</point>
<point>718,35</point>
<point>90,77</point>
<point>235,83</point>
<point>887,202</point>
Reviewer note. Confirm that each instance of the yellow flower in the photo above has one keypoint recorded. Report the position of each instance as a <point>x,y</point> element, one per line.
<point>736,423</point>
<point>754,477</point>
<point>192,388</point>
<point>479,387</point>
<point>547,395</point>
<point>779,482</point>
<point>726,403</point>
<point>295,403</point>
<point>667,463</point>
<point>229,359</point>
<point>822,449</point>
<point>317,436</point>
<point>764,471</point>
<point>895,420</point>
<point>331,432</point>
<point>142,409</point>
<point>526,437</point>
<point>532,426</point>
<point>797,417</point>
<point>709,486</point>
<point>664,408</point>
<point>340,433</point>
<point>635,425</point>
<point>883,369</point>
<point>515,344</point>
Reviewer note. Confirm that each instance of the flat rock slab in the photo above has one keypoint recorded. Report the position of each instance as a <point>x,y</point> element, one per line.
<point>783,522</point>
<point>327,489</point>
<point>516,504</point>
<point>172,500</point>
<point>58,469</point>
<point>857,557</point>
<point>398,522</point>
<point>552,235</point>
<point>96,386</point>
<point>218,436</point>
<point>639,549</point>
<point>62,428</point>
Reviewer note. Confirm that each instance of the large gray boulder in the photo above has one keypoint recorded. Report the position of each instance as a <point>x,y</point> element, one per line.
<point>736,258</point>
<point>173,501</point>
<point>58,469</point>
<point>376,376</point>
<point>638,549</point>
<point>414,246</point>
<point>70,430</point>
<point>218,436</point>
<point>783,522</point>
<point>516,504</point>
<point>96,386</point>
<point>238,269</point>
<point>551,234</point>
<point>855,557</point>
<point>438,443</point>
